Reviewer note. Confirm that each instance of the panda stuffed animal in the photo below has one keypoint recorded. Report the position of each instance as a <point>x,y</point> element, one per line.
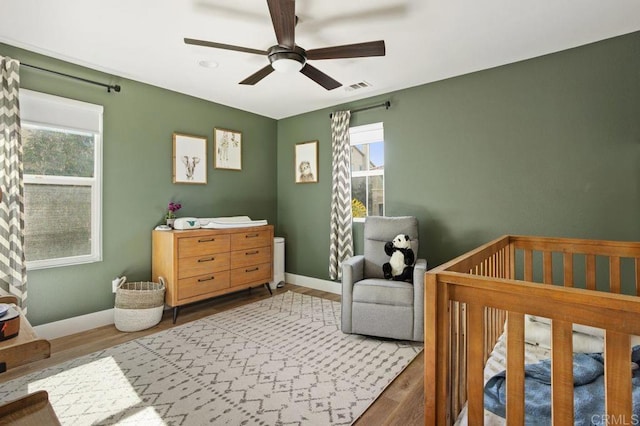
<point>400,266</point>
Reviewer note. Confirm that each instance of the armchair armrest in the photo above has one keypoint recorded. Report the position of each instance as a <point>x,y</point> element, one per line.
<point>352,272</point>
<point>419,269</point>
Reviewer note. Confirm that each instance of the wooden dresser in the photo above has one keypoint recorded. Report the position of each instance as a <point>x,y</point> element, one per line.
<point>203,263</point>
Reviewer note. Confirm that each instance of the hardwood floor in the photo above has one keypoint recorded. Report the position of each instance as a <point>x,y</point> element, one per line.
<point>402,403</point>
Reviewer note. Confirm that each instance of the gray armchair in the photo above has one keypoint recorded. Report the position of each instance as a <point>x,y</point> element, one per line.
<point>372,305</point>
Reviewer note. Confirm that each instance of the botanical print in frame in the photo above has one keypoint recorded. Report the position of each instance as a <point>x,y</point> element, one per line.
<point>189,159</point>
<point>306,162</point>
<point>227,149</point>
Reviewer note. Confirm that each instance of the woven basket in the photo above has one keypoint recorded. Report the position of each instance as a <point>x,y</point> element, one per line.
<point>138,305</point>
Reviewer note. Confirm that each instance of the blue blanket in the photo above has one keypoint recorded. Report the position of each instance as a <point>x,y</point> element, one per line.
<point>588,382</point>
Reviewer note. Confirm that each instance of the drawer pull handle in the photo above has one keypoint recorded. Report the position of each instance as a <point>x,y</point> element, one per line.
<point>251,270</point>
<point>251,235</point>
<point>206,279</point>
<point>206,240</point>
<point>252,252</point>
<point>208,259</point>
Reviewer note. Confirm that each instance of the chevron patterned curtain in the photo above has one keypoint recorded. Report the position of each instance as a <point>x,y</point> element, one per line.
<point>13,271</point>
<point>341,239</point>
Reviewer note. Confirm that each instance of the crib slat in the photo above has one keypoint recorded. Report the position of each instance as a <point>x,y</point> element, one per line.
<point>498,328</point>
<point>515,368</point>
<point>528,265</point>
<point>462,353</point>
<point>567,261</point>
<point>475,362</point>
<point>562,373</point>
<point>547,268</point>
<point>511,261</point>
<point>591,271</point>
<point>455,351</point>
<point>617,376</point>
<point>614,274</point>
<point>488,331</point>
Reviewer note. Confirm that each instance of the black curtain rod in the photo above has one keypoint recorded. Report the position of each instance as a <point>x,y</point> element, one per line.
<point>109,87</point>
<point>386,105</point>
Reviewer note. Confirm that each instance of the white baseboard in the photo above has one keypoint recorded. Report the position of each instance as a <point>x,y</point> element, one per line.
<point>314,283</point>
<point>81,323</point>
<point>73,325</point>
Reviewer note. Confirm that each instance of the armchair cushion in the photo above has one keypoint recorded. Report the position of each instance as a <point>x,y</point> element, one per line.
<point>383,292</point>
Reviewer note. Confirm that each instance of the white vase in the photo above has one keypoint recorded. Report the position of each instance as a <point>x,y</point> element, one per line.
<point>170,222</point>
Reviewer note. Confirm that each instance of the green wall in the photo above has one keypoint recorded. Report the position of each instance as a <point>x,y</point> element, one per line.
<point>548,146</point>
<point>138,126</point>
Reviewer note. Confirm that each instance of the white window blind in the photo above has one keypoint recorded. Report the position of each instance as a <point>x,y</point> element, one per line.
<point>54,111</point>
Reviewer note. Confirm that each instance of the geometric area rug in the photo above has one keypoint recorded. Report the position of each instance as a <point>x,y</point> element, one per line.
<point>278,361</point>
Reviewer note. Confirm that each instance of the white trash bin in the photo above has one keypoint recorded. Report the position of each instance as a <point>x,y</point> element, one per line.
<point>278,263</point>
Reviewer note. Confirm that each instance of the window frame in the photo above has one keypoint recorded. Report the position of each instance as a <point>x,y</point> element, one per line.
<point>46,115</point>
<point>364,135</point>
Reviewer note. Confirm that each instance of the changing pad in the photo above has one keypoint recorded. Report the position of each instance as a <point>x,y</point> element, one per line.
<point>230,222</point>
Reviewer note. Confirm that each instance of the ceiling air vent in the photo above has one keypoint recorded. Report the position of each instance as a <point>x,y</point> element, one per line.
<point>357,86</point>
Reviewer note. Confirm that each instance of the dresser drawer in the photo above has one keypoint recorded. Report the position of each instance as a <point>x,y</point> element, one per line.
<point>251,274</point>
<point>200,265</point>
<point>251,239</point>
<point>252,256</point>
<point>203,284</point>
<point>203,245</point>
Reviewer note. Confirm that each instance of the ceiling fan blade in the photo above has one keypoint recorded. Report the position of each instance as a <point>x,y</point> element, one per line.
<point>224,46</point>
<point>319,77</point>
<point>283,16</point>
<point>257,76</point>
<point>358,50</point>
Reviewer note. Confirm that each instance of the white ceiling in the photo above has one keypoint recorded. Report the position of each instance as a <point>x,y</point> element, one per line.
<point>426,40</point>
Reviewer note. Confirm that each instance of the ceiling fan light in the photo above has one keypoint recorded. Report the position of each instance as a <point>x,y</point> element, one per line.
<point>286,65</point>
<point>286,60</point>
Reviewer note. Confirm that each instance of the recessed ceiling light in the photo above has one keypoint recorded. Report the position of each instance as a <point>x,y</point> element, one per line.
<point>208,64</point>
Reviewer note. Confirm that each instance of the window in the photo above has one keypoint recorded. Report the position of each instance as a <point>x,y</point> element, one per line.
<point>62,144</point>
<point>367,171</point>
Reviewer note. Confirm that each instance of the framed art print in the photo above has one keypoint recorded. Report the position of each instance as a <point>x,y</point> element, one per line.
<point>227,149</point>
<point>189,159</point>
<point>306,162</point>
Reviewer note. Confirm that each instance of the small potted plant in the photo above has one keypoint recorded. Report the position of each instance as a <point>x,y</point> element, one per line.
<point>171,212</point>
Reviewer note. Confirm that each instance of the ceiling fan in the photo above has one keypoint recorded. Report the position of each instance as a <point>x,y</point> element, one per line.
<point>286,56</point>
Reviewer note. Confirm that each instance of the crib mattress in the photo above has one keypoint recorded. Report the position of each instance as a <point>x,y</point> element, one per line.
<point>497,363</point>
